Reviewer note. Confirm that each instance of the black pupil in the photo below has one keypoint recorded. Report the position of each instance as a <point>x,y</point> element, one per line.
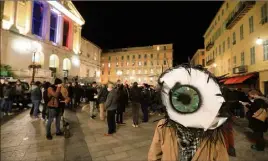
<point>184,98</point>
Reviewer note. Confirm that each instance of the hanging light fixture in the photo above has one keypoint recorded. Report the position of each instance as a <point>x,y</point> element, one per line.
<point>259,41</point>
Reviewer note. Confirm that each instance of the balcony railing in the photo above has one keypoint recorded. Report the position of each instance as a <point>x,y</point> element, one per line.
<point>243,8</point>
<point>209,46</point>
<point>240,69</point>
<point>211,61</point>
<point>264,20</point>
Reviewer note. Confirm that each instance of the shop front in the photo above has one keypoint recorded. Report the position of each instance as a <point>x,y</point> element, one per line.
<point>245,82</point>
<point>264,82</point>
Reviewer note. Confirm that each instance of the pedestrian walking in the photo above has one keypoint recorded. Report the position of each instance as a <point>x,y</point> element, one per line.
<point>111,107</point>
<point>36,97</point>
<point>135,97</point>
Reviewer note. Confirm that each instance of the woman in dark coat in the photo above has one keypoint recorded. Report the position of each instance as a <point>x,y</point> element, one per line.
<point>258,127</point>
<point>121,106</point>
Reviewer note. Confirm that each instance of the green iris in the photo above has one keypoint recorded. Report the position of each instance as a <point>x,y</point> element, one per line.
<point>185,98</point>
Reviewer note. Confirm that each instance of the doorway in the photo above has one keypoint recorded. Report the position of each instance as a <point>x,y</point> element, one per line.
<point>266,88</point>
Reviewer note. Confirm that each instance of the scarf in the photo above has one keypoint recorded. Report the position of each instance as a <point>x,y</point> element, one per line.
<point>189,140</point>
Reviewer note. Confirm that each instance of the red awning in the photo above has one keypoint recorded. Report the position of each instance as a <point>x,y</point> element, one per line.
<point>223,80</point>
<point>238,79</point>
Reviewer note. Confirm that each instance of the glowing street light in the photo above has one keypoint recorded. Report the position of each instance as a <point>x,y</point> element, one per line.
<point>259,41</point>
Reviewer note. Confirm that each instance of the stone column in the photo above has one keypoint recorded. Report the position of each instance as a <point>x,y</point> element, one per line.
<point>13,27</point>
<point>46,24</point>
<point>60,29</point>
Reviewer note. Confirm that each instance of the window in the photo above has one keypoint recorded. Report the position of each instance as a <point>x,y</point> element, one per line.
<point>241,32</point>
<point>109,65</point>
<point>145,56</point>
<point>157,55</point>
<point>109,58</point>
<point>227,5</point>
<point>222,12</point>
<point>223,47</point>
<point>219,18</point>
<point>133,57</point>
<point>229,66</point>
<point>116,64</point>
<point>65,33</point>
<point>152,71</point>
<point>145,63</point>
<point>109,72</point>
<point>228,42</point>
<point>88,55</point>
<point>242,58</point>
<point>139,63</point>
<point>251,24</point>
<point>203,52</point>
<point>234,38</point>
<point>102,72</point>
<point>234,60</point>
<point>53,27</point>
<point>37,21</point>
<point>213,54</point>
<point>122,57</point>
<point>128,57</point>
<point>127,63</point>
<point>264,14</point>
<point>139,56</point>
<point>152,63</point>
<point>203,62</point>
<point>152,56</point>
<point>165,48</point>
<point>133,63</point>
<point>265,50</point>
<point>219,49</point>
<point>252,55</point>
<point>165,62</point>
<point>116,58</point>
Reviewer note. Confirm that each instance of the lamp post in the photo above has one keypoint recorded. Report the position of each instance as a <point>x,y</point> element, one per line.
<point>35,48</point>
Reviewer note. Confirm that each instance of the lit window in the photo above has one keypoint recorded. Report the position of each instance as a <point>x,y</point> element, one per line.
<point>65,33</point>
<point>139,63</point>
<point>95,56</point>
<point>102,64</point>
<point>53,27</point>
<point>127,63</point>
<point>152,71</point>
<point>38,10</point>
<point>158,48</point>
<point>116,64</point>
<point>109,65</point>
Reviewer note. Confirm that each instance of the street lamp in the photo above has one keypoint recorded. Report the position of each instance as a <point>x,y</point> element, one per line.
<point>35,49</point>
<point>259,41</point>
<point>119,73</point>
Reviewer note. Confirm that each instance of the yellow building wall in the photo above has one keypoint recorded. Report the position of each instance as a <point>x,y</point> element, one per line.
<point>260,31</point>
<point>166,54</point>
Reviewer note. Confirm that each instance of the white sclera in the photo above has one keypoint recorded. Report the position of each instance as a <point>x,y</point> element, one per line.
<point>211,104</point>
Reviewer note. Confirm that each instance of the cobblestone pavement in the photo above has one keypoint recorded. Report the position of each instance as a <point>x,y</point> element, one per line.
<point>24,139</point>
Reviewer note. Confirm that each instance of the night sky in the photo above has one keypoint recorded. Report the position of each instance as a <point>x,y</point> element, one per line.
<point>128,24</point>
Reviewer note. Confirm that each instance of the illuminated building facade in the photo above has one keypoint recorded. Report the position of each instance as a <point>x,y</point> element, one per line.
<point>90,61</point>
<point>236,44</point>
<point>136,64</point>
<point>199,58</point>
<point>47,33</point>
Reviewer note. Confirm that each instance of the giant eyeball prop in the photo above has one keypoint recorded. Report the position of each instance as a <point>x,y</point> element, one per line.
<point>192,97</point>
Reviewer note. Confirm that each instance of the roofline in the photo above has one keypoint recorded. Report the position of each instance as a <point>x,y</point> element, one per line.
<point>196,53</point>
<point>214,18</point>
<point>77,12</point>
<point>109,50</point>
<point>91,42</point>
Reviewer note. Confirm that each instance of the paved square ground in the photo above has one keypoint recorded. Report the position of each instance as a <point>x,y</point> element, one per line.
<point>23,139</point>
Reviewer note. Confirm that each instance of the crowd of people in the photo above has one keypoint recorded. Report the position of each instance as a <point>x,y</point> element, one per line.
<point>111,101</point>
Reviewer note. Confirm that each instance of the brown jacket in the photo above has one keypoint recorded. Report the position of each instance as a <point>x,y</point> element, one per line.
<point>164,147</point>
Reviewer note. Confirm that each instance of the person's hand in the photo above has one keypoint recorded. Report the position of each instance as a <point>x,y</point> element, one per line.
<point>244,103</point>
<point>59,85</point>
